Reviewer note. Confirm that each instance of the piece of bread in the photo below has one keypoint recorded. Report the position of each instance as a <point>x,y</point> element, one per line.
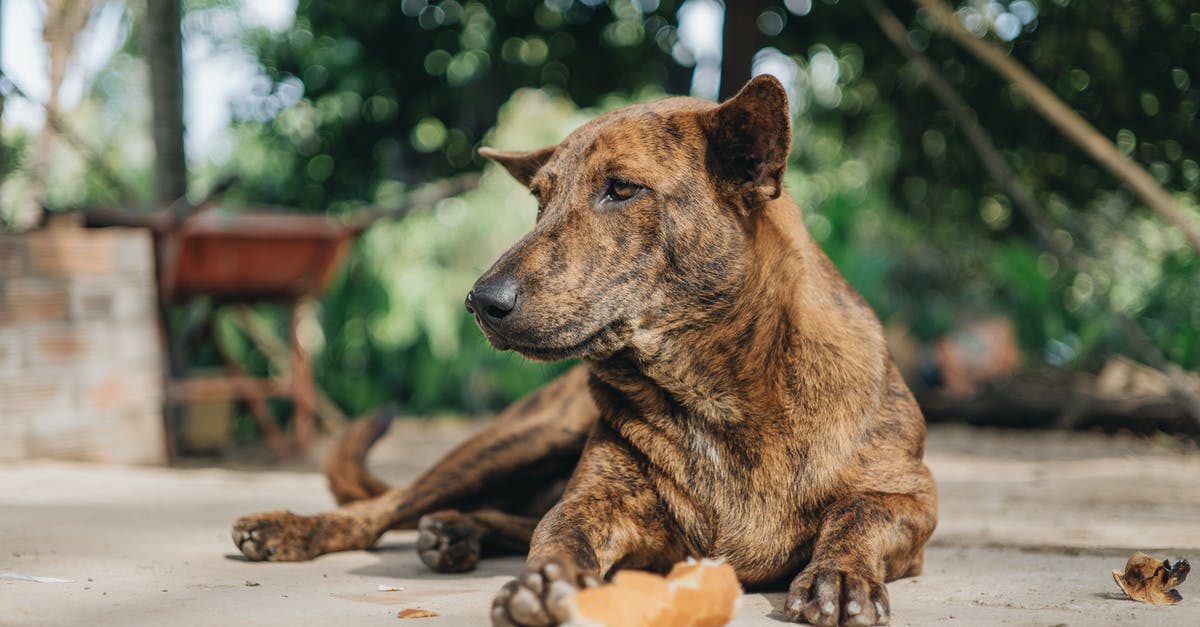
<point>694,594</point>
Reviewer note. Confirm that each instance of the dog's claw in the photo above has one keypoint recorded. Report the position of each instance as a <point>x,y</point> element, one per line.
<point>535,599</point>
<point>282,536</point>
<point>275,536</point>
<point>500,618</point>
<point>449,542</point>
<point>533,581</point>
<point>830,596</point>
<point>558,592</point>
<point>527,609</point>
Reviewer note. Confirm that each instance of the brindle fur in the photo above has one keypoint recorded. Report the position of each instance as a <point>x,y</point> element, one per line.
<point>742,403</point>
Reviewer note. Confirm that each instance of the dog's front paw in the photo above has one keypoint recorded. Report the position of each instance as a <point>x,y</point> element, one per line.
<point>831,596</point>
<point>536,599</point>
<point>449,542</point>
<point>282,536</point>
<point>278,536</point>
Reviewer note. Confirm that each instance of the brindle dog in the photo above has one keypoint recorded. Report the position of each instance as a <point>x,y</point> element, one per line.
<point>736,398</point>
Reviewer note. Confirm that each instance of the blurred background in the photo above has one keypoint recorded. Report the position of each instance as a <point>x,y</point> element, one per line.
<point>1012,185</point>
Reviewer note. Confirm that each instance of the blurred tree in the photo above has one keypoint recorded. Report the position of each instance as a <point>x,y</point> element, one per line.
<point>64,20</point>
<point>404,91</point>
<point>164,52</point>
<point>1095,57</point>
<point>364,98</point>
<point>741,38</point>
<point>3,160</point>
<point>361,99</point>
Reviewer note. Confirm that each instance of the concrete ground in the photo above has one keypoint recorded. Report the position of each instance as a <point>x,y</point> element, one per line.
<point>1031,524</point>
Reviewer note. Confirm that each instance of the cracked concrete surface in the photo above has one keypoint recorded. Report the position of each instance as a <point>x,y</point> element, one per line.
<point>1031,524</point>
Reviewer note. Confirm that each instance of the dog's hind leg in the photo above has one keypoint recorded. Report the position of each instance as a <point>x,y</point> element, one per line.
<point>453,542</point>
<point>507,466</point>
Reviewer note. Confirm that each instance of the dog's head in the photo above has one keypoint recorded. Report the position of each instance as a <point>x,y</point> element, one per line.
<point>642,213</point>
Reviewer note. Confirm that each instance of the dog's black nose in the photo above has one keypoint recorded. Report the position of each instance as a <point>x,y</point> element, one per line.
<point>494,300</point>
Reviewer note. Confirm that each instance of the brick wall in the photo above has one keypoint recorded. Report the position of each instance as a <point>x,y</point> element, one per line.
<point>80,361</point>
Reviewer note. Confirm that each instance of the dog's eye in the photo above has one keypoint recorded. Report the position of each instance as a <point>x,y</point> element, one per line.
<point>620,191</point>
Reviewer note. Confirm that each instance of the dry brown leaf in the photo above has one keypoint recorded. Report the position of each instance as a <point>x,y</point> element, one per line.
<point>413,612</point>
<point>1149,580</point>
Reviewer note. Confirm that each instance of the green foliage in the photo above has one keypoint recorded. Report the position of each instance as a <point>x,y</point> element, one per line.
<point>367,98</point>
<point>362,100</point>
<point>363,93</point>
<point>952,245</point>
<point>394,324</point>
<point>101,156</point>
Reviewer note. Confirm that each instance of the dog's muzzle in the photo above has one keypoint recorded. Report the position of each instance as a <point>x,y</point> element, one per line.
<point>495,304</point>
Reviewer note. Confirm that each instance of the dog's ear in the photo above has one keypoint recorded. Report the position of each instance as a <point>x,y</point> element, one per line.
<point>521,164</point>
<point>749,138</point>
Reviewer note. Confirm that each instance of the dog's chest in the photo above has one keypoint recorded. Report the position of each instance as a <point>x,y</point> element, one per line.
<point>732,496</point>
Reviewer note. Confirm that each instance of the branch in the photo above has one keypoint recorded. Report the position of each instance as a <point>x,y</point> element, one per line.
<point>978,136</point>
<point>423,196</point>
<point>92,156</point>
<point>1176,377</point>
<point>161,221</point>
<point>965,118</point>
<point>1068,122</point>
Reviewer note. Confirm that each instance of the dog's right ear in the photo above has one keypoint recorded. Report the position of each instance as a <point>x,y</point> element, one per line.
<point>521,164</point>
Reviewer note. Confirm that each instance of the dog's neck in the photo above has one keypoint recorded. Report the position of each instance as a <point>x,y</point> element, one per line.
<point>758,342</point>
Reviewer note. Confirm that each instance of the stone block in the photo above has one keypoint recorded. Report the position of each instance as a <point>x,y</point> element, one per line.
<point>134,386</point>
<point>60,344</point>
<point>94,299</point>
<point>70,252</point>
<point>118,299</point>
<point>12,256</point>
<point>131,436</point>
<point>70,444</point>
<point>10,352</point>
<point>13,440</point>
<point>32,300</point>
<point>80,358</point>
<point>138,344</point>
<point>34,395</point>
<point>133,252</point>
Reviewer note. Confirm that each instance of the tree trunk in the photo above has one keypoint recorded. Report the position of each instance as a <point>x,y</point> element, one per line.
<point>164,50</point>
<point>739,41</point>
<point>1,102</point>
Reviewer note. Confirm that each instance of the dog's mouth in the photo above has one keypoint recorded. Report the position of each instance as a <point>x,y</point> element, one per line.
<point>601,342</point>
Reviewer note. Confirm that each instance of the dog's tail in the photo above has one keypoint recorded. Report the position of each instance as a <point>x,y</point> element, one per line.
<point>346,468</point>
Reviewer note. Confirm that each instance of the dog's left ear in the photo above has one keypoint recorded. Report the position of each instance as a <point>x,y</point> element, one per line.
<point>749,136</point>
<point>521,164</point>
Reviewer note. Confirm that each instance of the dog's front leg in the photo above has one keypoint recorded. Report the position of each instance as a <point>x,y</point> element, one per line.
<point>866,539</point>
<point>608,516</point>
